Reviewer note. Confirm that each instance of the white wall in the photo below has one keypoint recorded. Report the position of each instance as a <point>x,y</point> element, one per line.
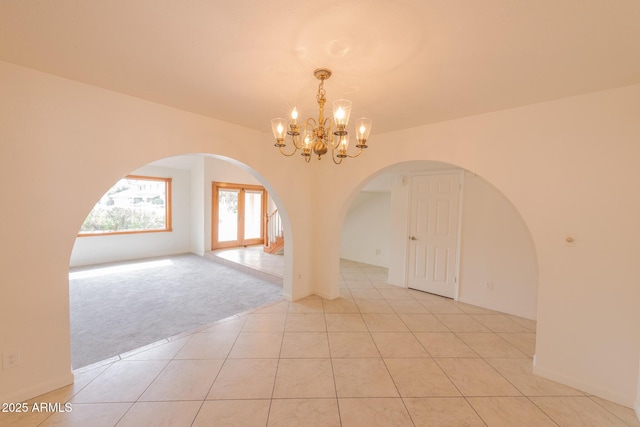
<point>496,249</point>
<point>366,230</point>
<point>118,247</point>
<point>568,165</point>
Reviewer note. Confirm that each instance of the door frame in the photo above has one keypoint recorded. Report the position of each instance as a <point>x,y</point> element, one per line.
<point>215,186</point>
<point>460,172</point>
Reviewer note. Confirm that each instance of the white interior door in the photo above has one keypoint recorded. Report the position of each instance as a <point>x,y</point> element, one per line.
<point>433,233</point>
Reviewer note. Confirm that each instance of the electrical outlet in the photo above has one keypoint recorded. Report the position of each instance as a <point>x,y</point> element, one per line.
<point>488,286</point>
<point>10,360</point>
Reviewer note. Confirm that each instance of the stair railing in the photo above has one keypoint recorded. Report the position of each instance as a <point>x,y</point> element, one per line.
<point>273,228</point>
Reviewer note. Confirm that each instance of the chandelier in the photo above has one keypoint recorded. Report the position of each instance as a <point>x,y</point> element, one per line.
<point>319,136</point>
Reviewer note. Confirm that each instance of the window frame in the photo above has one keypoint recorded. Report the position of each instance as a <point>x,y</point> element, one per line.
<point>168,210</point>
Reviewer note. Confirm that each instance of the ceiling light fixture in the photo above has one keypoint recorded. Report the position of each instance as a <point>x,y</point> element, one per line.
<point>318,136</point>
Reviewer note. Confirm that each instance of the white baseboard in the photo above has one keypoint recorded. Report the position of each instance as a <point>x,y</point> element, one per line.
<point>326,295</point>
<point>288,297</point>
<point>637,408</point>
<point>398,284</point>
<point>585,387</point>
<point>38,389</point>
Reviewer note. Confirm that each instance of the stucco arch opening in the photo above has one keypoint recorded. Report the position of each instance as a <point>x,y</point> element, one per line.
<point>192,176</point>
<point>498,266</point>
<point>195,165</point>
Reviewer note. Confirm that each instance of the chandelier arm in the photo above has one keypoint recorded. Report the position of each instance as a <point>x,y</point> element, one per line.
<point>353,156</point>
<point>333,154</point>
<point>295,150</point>
<point>296,143</point>
<point>337,162</point>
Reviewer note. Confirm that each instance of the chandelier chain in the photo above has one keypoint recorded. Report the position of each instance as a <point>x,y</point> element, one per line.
<point>321,91</point>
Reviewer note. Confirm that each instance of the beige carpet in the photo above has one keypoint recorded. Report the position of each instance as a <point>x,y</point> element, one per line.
<point>116,308</point>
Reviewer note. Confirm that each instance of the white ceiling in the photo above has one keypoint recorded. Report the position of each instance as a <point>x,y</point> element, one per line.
<point>404,63</point>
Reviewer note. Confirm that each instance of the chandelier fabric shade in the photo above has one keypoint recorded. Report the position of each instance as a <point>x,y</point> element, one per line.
<point>317,137</point>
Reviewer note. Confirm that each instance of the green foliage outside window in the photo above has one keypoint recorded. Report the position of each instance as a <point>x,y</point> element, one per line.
<point>134,204</point>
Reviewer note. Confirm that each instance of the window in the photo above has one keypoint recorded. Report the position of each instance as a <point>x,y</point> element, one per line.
<point>136,204</point>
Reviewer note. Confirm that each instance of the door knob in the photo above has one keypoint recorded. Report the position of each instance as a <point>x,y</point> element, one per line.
<point>412,238</point>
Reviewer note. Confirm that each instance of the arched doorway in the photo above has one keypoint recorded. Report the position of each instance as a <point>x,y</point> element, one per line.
<point>131,288</point>
<point>496,264</point>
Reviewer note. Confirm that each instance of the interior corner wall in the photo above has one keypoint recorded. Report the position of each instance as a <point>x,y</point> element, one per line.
<point>399,217</point>
<point>366,230</point>
<point>198,196</point>
<point>637,403</point>
<point>120,247</point>
<point>498,265</point>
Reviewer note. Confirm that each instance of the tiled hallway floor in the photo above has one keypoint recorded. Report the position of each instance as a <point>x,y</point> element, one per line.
<point>252,260</point>
<point>377,356</point>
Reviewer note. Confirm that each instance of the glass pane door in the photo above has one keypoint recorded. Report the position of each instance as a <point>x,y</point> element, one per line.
<point>228,215</point>
<point>238,213</point>
<point>252,215</point>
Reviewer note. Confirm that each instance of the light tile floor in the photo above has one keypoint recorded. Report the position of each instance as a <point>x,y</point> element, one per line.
<point>252,260</point>
<point>384,357</point>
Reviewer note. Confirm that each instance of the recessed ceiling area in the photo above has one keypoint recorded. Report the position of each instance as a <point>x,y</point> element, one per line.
<point>404,63</point>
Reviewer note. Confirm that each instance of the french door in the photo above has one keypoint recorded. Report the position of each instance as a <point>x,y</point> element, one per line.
<point>238,213</point>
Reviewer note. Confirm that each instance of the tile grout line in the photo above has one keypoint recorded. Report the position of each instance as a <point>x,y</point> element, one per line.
<point>216,376</point>
<point>333,372</point>
<point>404,405</point>
<point>275,378</point>
<point>590,397</point>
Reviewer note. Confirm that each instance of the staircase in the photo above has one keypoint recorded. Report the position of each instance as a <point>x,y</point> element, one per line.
<point>276,247</point>
<point>274,236</point>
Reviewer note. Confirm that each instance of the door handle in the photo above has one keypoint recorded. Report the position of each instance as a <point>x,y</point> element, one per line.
<point>412,238</point>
